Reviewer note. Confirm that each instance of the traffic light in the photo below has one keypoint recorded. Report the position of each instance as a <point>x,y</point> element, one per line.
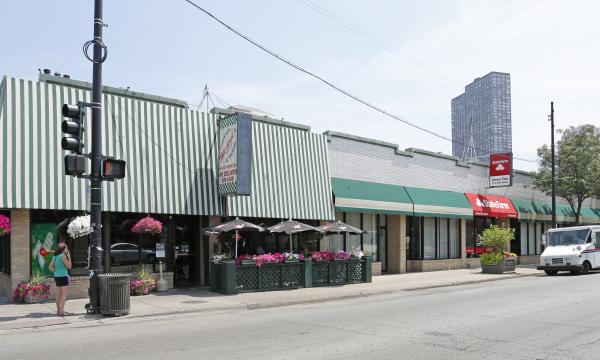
<point>75,163</point>
<point>73,126</point>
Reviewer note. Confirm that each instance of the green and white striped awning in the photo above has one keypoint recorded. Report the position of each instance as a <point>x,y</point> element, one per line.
<point>169,150</point>
<point>535,210</point>
<point>290,175</point>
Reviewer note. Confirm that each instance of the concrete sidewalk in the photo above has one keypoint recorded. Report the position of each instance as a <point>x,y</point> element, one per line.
<point>21,316</point>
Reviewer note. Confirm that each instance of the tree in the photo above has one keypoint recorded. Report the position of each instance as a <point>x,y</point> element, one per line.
<point>577,167</point>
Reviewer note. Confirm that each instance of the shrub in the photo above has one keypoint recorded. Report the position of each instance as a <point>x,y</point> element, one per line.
<point>497,237</point>
<point>492,258</point>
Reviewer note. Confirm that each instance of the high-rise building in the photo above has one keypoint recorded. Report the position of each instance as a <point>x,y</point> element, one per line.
<point>481,118</point>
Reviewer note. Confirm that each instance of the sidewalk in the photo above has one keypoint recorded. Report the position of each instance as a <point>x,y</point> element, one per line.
<point>13,316</point>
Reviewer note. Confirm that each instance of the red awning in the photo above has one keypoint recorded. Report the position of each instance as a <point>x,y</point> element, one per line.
<point>492,206</point>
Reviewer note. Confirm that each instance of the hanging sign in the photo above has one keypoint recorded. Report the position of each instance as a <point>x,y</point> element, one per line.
<point>500,170</point>
<point>235,154</point>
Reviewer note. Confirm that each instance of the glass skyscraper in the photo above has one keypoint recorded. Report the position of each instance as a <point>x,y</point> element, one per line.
<point>484,111</point>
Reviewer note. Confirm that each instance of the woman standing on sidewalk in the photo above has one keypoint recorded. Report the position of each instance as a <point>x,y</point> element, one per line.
<point>60,266</point>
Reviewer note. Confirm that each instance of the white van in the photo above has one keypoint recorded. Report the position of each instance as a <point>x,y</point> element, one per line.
<point>575,249</point>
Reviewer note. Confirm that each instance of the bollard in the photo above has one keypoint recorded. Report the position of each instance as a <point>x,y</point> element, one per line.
<point>161,285</point>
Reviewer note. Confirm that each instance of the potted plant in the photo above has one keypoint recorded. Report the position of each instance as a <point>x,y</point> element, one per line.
<point>142,283</point>
<point>341,255</point>
<point>4,225</point>
<point>147,226</point>
<point>498,260</point>
<point>291,258</point>
<point>33,291</point>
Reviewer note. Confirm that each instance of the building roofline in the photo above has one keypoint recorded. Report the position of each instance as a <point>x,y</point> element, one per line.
<point>409,152</point>
<point>265,119</point>
<point>51,79</point>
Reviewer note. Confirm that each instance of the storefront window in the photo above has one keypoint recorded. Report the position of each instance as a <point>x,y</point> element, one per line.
<point>370,235</point>
<point>353,241</point>
<point>336,241</point>
<point>382,241</point>
<point>413,238</point>
<point>428,238</point>
<point>443,239</point>
<point>48,228</point>
<point>432,238</point>
<point>523,234</point>
<point>454,235</point>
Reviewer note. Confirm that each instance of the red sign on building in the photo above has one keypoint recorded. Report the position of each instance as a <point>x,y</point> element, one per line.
<point>492,206</point>
<point>500,170</point>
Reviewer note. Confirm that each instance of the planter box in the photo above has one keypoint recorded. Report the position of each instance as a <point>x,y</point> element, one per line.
<point>508,264</point>
<point>30,299</point>
<point>248,262</point>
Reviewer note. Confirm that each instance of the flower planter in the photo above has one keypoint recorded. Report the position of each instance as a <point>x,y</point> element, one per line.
<point>292,261</point>
<point>248,262</point>
<point>508,264</point>
<point>32,299</point>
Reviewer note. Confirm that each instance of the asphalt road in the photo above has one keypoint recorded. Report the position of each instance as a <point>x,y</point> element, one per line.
<point>536,317</point>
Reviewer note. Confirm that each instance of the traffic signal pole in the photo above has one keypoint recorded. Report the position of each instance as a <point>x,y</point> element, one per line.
<point>96,158</point>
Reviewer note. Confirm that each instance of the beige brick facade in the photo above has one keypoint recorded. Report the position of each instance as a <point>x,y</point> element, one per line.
<point>20,244</point>
<point>396,244</point>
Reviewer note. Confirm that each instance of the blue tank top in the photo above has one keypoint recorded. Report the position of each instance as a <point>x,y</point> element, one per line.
<point>60,270</point>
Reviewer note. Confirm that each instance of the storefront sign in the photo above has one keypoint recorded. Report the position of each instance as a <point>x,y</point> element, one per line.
<point>500,170</point>
<point>235,154</point>
<point>43,243</point>
<point>492,206</point>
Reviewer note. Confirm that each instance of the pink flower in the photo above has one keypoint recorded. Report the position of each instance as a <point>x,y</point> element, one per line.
<point>147,225</point>
<point>4,225</point>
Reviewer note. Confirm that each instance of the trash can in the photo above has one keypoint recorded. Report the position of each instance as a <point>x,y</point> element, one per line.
<point>114,294</point>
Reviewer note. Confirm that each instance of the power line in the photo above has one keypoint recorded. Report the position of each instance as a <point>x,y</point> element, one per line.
<point>330,84</point>
<point>374,40</point>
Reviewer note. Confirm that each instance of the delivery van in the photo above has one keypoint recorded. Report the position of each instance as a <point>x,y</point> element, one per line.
<point>575,249</point>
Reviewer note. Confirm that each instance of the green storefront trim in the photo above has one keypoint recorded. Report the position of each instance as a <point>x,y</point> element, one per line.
<point>542,211</point>
<point>370,197</point>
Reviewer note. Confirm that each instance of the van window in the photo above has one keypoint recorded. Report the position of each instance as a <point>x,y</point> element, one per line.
<point>597,240</point>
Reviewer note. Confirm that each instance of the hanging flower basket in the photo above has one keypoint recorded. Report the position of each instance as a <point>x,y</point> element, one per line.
<point>80,226</point>
<point>4,225</point>
<point>147,225</point>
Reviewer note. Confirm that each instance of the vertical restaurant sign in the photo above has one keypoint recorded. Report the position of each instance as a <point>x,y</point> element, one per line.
<point>500,170</point>
<point>44,239</point>
<point>235,154</point>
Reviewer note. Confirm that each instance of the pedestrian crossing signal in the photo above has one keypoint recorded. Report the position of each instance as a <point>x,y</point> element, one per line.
<point>113,169</point>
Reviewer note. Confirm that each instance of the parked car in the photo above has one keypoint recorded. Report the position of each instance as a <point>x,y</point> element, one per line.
<point>127,253</point>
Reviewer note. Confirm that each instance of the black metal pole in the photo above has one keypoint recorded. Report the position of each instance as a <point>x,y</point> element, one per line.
<point>96,157</point>
<point>553,165</point>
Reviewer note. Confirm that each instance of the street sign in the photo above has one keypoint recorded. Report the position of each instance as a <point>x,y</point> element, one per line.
<point>160,250</point>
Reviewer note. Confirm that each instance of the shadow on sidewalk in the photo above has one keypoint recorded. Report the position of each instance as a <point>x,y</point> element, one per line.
<point>35,315</point>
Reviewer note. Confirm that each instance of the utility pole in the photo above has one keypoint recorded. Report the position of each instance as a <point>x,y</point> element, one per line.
<point>99,56</point>
<point>553,165</point>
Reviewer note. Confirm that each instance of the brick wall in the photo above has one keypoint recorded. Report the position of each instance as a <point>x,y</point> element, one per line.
<point>20,244</point>
<point>440,265</point>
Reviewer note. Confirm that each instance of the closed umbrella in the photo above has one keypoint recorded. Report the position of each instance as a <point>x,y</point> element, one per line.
<point>234,225</point>
<point>338,227</point>
<point>291,227</point>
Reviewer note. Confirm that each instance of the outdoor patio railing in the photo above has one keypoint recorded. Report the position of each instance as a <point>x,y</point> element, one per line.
<point>227,278</point>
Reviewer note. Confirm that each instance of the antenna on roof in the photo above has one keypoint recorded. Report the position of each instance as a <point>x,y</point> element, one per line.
<point>469,150</point>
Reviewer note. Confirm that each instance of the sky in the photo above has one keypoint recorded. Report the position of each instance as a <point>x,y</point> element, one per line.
<point>432,50</point>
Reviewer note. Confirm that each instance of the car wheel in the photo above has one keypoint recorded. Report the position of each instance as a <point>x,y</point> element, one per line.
<point>551,272</point>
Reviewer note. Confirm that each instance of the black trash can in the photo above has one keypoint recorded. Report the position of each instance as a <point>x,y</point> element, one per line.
<point>114,294</point>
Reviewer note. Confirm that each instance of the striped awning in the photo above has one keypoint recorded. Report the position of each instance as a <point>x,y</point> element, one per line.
<point>169,150</point>
<point>290,175</point>
<point>365,196</point>
<point>439,203</point>
<point>536,210</point>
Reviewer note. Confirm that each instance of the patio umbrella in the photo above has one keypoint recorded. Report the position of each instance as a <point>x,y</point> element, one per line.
<point>338,227</point>
<point>234,225</point>
<point>291,227</point>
